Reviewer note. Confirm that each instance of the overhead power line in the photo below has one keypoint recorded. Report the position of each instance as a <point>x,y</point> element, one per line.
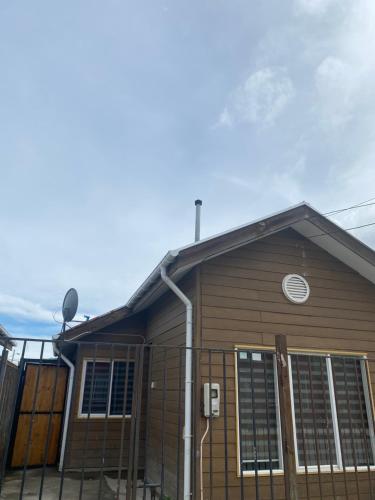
<point>365,203</point>
<point>352,207</point>
<point>327,233</point>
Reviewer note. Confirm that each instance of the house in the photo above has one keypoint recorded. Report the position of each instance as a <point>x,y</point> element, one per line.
<point>210,313</point>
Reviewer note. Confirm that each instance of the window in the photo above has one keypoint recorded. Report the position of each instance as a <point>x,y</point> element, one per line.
<point>313,424</point>
<point>104,382</point>
<point>258,412</point>
<point>331,410</point>
<point>352,412</point>
<point>331,414</point>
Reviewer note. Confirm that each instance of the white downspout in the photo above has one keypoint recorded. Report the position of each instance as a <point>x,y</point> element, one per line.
<point>67,406</point>
<point>188,380</point>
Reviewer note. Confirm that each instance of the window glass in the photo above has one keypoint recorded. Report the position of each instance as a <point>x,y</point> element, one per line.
<point>98,377</point>
<point>118,388</point>
<point>97,380</point>
<point>331,407</point>
<point>257,411</point>
<point>351,412</point>
<point>312,411</point>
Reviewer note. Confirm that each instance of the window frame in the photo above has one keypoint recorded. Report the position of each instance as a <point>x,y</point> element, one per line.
<point>82,388</point>
<point>266,472</point>
<point>301,469</point>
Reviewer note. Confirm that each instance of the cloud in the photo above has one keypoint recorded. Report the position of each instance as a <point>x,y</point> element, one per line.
<point>237,181</point>
<point>336,83</point>
<point>284,182</point>
<point>84,199</point>
<point>225,118</point>
<point>344,74</point>
<point>314,7</point>
<point>288,182</point>
<point>260,99</point>
<point>21,308</point>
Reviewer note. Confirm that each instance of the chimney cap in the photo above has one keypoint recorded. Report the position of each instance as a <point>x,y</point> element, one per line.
<point>198,202</point>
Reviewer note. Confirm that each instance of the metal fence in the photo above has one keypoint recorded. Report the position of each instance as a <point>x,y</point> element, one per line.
<point>101,420</point>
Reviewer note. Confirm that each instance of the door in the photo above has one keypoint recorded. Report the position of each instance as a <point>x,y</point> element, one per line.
<point>40,416</point>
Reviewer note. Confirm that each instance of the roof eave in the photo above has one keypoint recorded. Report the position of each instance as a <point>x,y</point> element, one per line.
<point>5,339</point>
<point>152,278</point>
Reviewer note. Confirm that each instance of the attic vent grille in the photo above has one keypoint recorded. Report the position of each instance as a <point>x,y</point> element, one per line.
<point>296,288</point>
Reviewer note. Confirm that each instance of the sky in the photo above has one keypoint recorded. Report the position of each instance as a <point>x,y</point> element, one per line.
<point>115,116</point>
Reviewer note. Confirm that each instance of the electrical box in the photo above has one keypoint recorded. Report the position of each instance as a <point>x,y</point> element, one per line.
<point>211,392</point>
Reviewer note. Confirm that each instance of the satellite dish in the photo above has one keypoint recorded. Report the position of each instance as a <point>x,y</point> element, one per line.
<point>70,305</point>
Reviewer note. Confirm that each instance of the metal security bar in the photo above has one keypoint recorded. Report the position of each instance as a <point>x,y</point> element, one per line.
<point>268,423</point>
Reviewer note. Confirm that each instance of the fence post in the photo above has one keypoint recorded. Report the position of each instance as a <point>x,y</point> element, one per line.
<point>289,459</point>
<point>3,368</point>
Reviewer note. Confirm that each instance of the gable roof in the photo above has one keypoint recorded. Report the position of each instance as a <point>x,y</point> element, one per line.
<point>302,218</point>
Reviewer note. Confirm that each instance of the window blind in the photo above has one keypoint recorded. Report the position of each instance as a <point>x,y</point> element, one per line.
<point>257,411</point>
<point>351,412</point>
<point>312,411</point>
<point>103,377</point>
<point>118,388</point>
<point>97,377</point>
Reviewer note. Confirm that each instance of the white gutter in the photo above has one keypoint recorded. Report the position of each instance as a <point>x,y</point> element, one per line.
<point>188,379</point>
<point>67,405</point>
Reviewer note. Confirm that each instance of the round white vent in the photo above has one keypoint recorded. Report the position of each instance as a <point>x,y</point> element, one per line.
<point>296,288</point>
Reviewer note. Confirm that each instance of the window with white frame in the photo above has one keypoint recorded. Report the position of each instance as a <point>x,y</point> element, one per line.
<point>331,408</point>
<point>332,412</point>
<point>259,426</point>
<point>105,384</point>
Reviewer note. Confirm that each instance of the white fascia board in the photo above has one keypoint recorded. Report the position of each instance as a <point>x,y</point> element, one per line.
<point>341,252</point>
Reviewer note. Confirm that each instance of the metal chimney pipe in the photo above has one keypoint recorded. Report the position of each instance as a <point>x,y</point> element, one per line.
<point>198,204</point>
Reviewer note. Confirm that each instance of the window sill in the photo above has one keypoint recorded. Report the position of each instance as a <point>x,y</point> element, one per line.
<point>301,471</point>
<point>102,417</point>
<point>248,473</point>
<point>335,470</point>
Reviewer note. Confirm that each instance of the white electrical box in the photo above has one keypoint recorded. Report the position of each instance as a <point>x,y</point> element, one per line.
<point>211,392</point>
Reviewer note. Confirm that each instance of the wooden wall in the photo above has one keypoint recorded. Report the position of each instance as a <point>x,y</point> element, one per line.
<point>88,437</point>
<point>237,299</point>
<point>166,326</point>
<point>242,303</point>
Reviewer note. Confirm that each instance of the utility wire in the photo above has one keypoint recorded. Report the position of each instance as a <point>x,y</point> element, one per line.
<point>359,205</point>
<point>365,203</point>
<point>341,229</point>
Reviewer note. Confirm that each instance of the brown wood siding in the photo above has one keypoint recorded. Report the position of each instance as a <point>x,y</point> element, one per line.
<point>166,326</point>
<point>88,451</point>
<point>243,303</point>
